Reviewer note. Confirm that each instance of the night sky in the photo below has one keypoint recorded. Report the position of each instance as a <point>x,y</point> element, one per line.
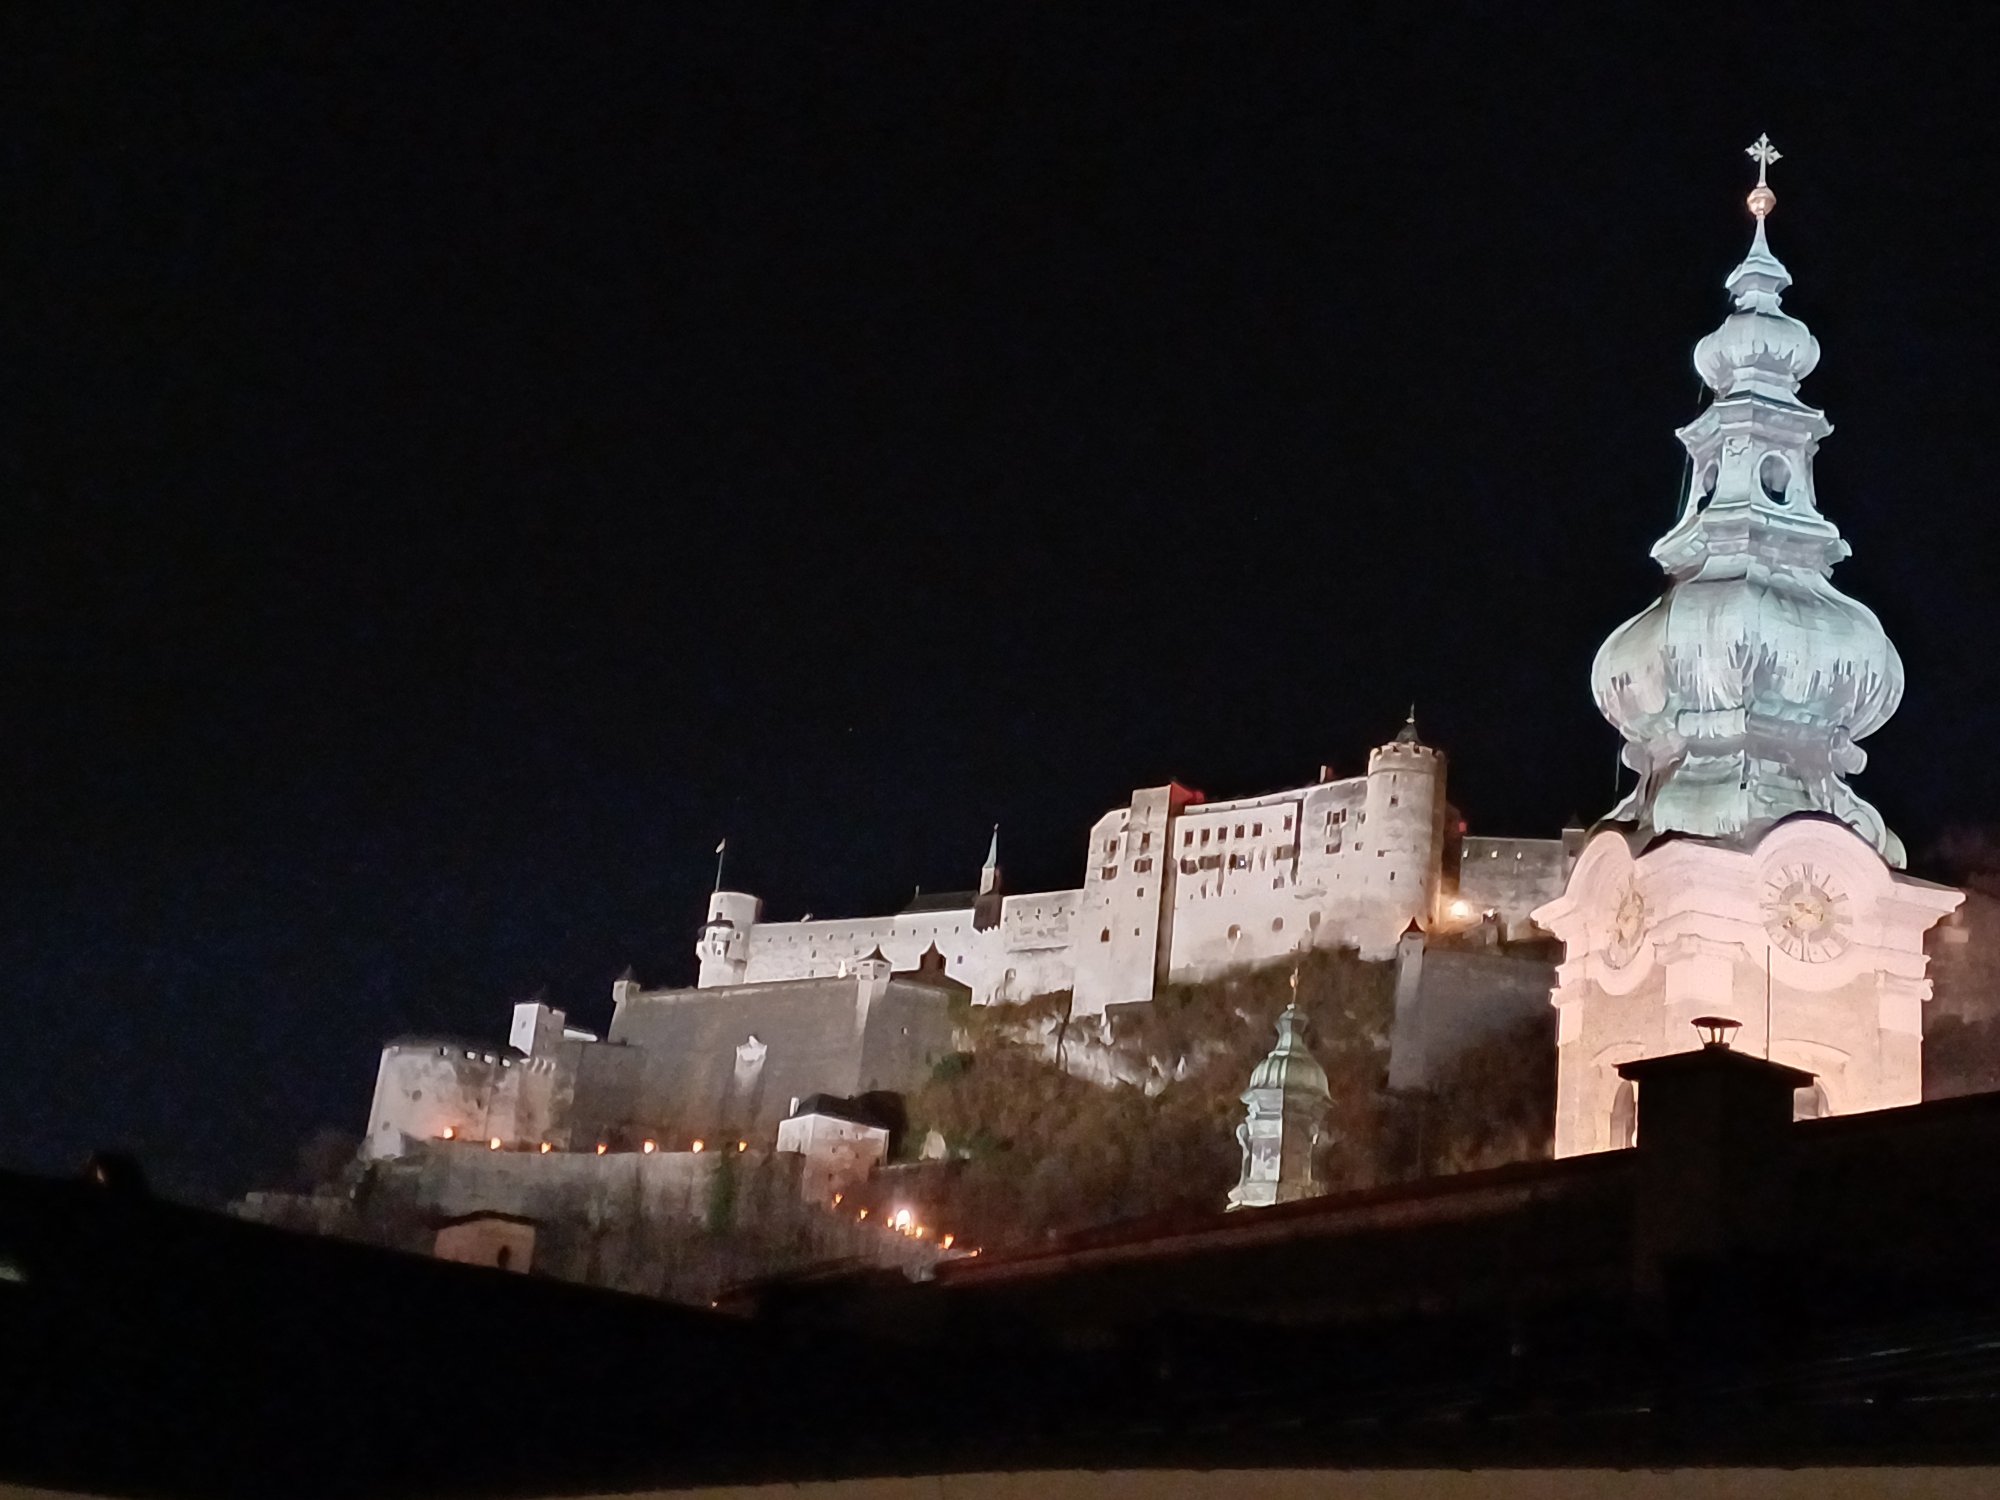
<point>463,461</point>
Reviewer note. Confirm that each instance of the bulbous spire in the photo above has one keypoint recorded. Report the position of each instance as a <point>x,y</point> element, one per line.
<point>1290,1066</point>
<point>1742,691</point>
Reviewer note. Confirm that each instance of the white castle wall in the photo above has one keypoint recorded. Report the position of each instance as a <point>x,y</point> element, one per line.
<point>1122,944</point>
<point>428,1086</point>
<point>1027,954</point>
<point>1037,934</point>
<point>1241,898</point>
<point>1179,888</point>
<point>1512,877</point>
<point>521,1093</point>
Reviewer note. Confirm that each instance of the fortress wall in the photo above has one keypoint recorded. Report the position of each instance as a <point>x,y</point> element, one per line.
<point>1513,877</point>
<point>810,950</point>
<point>424,1087</point>
<point>450,1178</point>
<point>1123,940</point>
<point>666,1224</point>
<point>1239,900</point>
<point>1175,887</point>
<point>1462,998</point>
<point>605,1097</point>
<point>1034,955</point>
<point>815,1036</point>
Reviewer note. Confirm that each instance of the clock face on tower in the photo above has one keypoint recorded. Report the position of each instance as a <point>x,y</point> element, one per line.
<point>1806,914</point>
<point>1628,926</point>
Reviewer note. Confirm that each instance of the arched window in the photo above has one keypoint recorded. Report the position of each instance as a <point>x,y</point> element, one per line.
<point>1104,936</point>
<point>1774,476</point>
<point>1624,1116</point>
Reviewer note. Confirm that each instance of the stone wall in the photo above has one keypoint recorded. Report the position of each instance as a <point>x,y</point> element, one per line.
<point>679,1225</point>
<point>1451,999</point>
<point>426,1087</point>
<point>1514,876</point>
<point>727,1063</point>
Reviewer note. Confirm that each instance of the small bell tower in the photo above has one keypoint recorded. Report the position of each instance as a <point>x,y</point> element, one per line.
<point>1284,1122</point>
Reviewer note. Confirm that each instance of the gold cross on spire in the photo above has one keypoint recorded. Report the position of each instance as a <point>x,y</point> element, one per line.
<point>1762,152</point>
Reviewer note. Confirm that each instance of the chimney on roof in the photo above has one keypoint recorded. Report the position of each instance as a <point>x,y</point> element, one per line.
<point>1713,1193</point>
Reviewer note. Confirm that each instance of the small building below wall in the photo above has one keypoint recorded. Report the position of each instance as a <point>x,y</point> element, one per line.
<point>841,1143</point>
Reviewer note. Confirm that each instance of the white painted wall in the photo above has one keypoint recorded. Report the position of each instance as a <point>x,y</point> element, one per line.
<point>1685,929</point>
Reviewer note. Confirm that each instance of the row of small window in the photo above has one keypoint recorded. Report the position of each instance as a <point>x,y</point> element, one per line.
<point>1222,833</point>
<point>1195,863</point>
<point>1201,892</point>
<point>1139,867</point>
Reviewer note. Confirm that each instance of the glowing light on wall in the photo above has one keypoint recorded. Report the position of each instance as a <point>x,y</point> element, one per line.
<point>650,1147</point>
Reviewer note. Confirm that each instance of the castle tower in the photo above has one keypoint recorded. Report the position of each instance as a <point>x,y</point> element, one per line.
<point>723,942</point>
<point>1402,837</point>
<point>1286,1106</point>
<point>1740,694</point>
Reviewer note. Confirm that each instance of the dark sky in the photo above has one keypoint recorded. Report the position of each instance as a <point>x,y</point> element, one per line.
<point>465,460</point>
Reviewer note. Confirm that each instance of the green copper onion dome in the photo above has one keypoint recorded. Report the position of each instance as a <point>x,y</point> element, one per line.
<point>1290,1068</point>
<point>1741,692</point>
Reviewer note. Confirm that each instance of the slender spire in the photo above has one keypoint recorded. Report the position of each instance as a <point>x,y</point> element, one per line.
<point>1742,691</point>
<point>986,910</point>
<point>1407,735</point>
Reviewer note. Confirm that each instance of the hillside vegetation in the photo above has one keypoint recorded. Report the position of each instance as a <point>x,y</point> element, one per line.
<point>1036,1150</point>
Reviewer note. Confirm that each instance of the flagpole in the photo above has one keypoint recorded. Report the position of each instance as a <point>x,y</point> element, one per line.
<point>719,848</point>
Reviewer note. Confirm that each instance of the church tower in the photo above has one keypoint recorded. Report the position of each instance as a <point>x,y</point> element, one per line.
<point>1284,1121</point>
<point>1742,876</point>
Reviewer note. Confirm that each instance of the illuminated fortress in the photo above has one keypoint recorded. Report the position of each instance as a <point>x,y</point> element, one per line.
<point>1177,887</point>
